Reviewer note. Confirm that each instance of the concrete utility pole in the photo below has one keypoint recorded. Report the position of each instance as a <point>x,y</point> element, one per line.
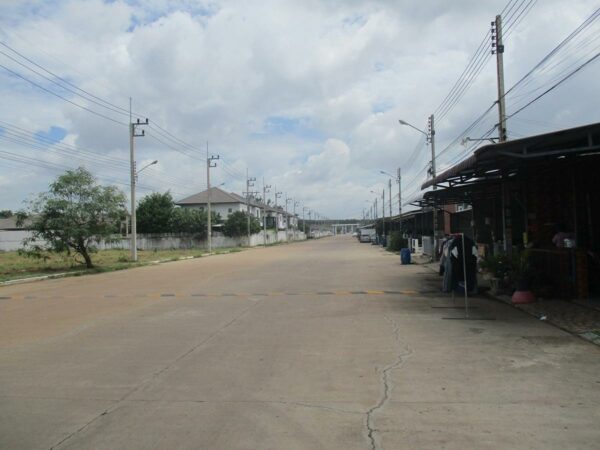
<point>249,184</point>
<point>277,195</point>
<point>498,50</point>
<point>209,164</point>
<point>304,208</point>
<point>390,189</point>
<point>132,166</point>
<point>383,212</point>
<point>399,181</point>
<point>287,217</point>
<point>295,225</point>
<point>266,188</point>
<point>431,133</point>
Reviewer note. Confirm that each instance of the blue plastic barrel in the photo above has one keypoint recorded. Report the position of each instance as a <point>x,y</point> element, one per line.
<point>405,255</point>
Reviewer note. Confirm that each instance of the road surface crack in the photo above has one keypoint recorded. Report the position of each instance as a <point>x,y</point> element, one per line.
<point>404,353</point>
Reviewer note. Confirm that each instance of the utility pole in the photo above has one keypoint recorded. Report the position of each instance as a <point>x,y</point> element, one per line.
<point>249,184</point>
<point>304,208</point>
<point>132,165</point>
<point>295,224</point>
<point>266,188</point>
<point>431,138</point>
<point>399,181</point>
<point>287,217</point>
<point>209,164</point>
<point>383,212</point>
<point>390,190</point>
<point>498,50</point>
<point>277,195</point>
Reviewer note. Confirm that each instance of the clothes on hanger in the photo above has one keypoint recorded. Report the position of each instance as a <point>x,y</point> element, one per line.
<point>454,269</point>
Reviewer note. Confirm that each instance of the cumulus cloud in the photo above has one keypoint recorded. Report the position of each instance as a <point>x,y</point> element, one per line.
<point>305,94</point>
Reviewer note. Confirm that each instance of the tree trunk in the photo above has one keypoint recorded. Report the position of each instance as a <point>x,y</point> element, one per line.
<point>88,261</point>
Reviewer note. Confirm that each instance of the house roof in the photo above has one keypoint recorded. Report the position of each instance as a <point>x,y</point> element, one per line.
<point>216,196</point>
<point>220,196</point>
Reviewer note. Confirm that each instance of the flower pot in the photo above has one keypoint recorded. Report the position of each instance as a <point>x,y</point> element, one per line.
<point>522,297</point>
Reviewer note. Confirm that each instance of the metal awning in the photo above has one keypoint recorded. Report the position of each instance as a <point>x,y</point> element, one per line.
<point>492,161</point>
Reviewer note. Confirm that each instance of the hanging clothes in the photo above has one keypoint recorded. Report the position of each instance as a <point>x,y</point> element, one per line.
<point>454,269</point>
<point>446,266</point>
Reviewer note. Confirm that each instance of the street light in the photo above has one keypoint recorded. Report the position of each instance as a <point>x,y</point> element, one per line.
<point>383,172</point>
<point>466,140</point>
<point>146,166</point>
<point>399,181</point>
<point>430,136</point>
<point>402,122</point>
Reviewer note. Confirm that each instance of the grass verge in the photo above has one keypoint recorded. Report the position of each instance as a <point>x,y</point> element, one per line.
<point>14,266</point>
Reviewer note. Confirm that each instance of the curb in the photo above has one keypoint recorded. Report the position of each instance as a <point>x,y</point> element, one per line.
<point>40,278</point>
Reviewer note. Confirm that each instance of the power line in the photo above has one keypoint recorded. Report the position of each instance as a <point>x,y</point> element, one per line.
<point>175,143</point>
<point>60,96</point>
<point>555,85</point>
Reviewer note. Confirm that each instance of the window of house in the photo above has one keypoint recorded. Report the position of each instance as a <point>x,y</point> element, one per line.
<point>230,210</point>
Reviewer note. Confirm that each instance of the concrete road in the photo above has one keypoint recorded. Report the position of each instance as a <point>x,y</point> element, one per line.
<point>328,344</point>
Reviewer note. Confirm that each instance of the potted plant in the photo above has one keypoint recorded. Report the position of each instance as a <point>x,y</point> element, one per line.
<point>522,275</point>
<point>496,269</point>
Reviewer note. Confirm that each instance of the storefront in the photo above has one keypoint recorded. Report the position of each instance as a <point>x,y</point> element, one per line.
<point>524,192</point>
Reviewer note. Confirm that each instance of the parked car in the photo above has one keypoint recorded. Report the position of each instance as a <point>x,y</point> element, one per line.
<point>366,234</point>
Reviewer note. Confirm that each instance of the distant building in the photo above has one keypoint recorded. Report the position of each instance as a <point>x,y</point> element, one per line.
<point>226,203</point>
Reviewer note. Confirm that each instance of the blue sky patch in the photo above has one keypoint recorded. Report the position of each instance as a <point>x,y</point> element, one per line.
<point>145,16</point>
<point>358,21</point>
<point>382,106</point>
<point>54,134</point>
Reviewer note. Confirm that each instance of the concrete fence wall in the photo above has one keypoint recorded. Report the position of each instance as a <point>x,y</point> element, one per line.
<point>10,240</point>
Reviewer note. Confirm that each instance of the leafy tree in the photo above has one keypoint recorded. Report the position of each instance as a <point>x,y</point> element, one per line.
<point>5,213</point>
<point>154,213</point>
<point>189,220</point>
<point>237,224</point>
<point>72,216</point>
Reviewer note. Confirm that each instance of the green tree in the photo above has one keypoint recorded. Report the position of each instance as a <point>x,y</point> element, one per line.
<point>74,215</point>
<point>189,220</point>
<point>154,213</point>
<point>192,221</point>
<point>5,213</point>
<point>237,224</point>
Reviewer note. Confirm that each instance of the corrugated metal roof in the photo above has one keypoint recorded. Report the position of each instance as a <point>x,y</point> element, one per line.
<point>507,154</point>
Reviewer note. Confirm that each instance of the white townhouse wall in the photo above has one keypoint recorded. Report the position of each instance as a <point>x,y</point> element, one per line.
<point>221,202</point>
<point>224,209</point>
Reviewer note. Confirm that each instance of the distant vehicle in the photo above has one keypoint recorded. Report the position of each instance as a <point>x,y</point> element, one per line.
<point>366,235</point>
<point>355,234</point>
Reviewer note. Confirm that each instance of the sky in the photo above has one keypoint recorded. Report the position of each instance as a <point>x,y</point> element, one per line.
<point>305,95</point>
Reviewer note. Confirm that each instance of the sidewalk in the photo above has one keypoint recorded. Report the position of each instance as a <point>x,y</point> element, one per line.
<point>575,318</point>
